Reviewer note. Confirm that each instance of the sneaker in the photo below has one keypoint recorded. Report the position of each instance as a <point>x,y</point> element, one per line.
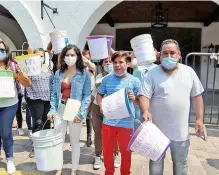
<point>29,133</point>
<point>10,167</point>
<point>97,163</point>
<point>20,131</point>
<point>116,161</point>
<point>32,154</point>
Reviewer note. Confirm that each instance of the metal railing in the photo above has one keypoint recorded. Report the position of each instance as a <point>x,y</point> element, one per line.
<point>211,94</point>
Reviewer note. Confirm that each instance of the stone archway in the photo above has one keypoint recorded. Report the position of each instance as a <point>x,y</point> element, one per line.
<point>94,18</point>
<point>7,41</point>
<point>25,20</point>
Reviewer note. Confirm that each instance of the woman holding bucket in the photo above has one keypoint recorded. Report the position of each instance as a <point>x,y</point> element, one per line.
<point>8,106</point>
<point>38,96</point>
<point>72,81</point>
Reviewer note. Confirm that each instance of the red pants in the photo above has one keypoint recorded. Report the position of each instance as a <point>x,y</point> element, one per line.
<point>109,136</point>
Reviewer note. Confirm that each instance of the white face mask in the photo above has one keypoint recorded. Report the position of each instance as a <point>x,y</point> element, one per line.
<point>70,60</point>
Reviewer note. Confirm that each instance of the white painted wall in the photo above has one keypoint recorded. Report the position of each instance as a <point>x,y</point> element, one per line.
<point>78,18</point>
<point>210,35</point>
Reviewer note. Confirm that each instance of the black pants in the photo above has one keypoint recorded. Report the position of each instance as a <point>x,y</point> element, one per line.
<point>39,110</point>
<point>89,123</point>
<point>19,113</point>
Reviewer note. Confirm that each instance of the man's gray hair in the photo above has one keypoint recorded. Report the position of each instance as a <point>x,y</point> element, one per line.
<point>168,41</point>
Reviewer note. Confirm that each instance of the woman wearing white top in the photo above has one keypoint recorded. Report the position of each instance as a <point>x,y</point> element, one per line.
<point>8,108</point>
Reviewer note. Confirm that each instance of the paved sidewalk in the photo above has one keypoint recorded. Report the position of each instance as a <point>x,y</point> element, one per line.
<point>203,157</point>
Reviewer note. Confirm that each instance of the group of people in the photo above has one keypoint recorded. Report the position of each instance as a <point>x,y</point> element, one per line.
<point>160,93</point>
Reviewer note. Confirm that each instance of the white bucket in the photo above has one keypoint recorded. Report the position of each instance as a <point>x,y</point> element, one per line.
<point>48,148</point>
<point>149,141</point>
<point>29,64</point>
<point>144,49</point>
<point>118,105</point>
<point>59,40</point>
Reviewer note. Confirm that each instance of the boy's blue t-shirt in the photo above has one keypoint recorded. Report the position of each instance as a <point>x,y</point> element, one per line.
<point>111,84</point>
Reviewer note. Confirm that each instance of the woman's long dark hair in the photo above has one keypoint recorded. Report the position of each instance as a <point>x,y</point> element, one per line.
<point>79,62</point>
<point>6,61</point>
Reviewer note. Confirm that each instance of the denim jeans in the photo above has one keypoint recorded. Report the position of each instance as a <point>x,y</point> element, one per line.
<point>7,115</point>
<point>179,154</point>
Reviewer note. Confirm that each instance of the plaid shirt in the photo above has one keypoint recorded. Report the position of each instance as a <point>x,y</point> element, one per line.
<point>41,87</point>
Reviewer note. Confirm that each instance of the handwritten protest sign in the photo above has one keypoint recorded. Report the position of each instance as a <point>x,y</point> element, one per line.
<point>149,141</point>
<point>114,105</point>
<point>30,65</point>
<point>144,53</point>
<point>7,86</point>
<point>98,48</point>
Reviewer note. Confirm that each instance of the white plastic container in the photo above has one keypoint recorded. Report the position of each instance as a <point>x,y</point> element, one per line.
<point>149,141</point>
<point>59,40</point>
<point>118,105</point>
<point>144,49</point>
<point>48,148</point>
<point>29,64</point>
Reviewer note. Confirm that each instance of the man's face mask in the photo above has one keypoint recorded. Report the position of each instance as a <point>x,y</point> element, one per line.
<point>169,63</point>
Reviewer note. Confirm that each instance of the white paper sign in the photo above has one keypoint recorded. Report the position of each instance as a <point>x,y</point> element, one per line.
<point>58,43</point>
<point>145,53</point>
<point>98,48</point>
<point>30,66</point>
<point>7,87</point>
<point>71,110</point>
<point>150,142</point>
<point>114,106</point>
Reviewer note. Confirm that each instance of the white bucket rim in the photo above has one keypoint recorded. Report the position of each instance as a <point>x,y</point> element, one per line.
<point>58,132</point>
<point>100,36</point>
<point>56,33</point>
<point>141,39</point>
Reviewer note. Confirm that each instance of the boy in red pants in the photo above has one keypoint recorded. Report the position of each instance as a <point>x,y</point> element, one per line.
<point>118,129</point>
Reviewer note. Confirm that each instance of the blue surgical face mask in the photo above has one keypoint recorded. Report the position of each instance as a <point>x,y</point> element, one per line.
<point>108,68</point>
<point>122,74</point>
<point>169,63</point>
<point>2,56</point>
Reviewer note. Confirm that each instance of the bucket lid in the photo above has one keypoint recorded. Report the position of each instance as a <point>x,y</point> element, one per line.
<point>99,36</point>
<point>26,56</point>
<point>138,39</point>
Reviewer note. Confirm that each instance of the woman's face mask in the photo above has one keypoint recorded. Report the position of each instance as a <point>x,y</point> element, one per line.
<point>70,60</point>
<point>108,68</point>
<point>42,60</point>
<point>2,55</point>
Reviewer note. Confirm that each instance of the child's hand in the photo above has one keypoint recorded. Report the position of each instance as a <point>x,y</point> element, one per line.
<point>131,95</point>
